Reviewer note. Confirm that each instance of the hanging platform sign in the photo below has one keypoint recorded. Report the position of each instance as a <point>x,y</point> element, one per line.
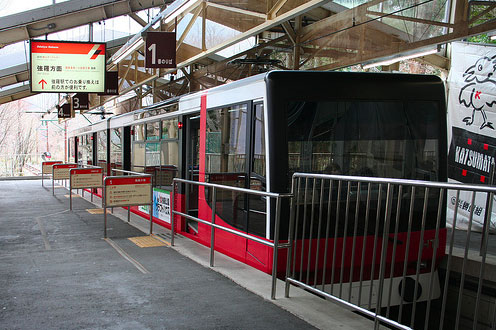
<point>160,50</point>
<point>111,83</point>
<point>67,67</point>
<point>80,101</point>
<point>125,191</point>
<point>64,111</point>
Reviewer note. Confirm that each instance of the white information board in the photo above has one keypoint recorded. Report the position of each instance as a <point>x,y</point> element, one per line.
<point>65,67</point>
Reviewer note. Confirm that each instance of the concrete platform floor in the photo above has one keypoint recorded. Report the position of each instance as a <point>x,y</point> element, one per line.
<point>57,272</point>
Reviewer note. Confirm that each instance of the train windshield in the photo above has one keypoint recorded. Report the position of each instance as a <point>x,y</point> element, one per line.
<point>390,139</point>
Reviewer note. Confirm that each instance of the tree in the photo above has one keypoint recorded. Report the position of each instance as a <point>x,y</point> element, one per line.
<point>6,116</point>
<point>17,137</point>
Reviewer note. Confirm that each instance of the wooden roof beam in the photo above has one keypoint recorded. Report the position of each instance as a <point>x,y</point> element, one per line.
<point>237,10</point>
<point>138,19</point>
<point>272,13</point>
<point>196,12</point>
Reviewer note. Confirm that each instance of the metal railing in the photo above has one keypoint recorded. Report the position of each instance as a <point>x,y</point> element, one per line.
<point>275,244</point>
<point>381,247</point>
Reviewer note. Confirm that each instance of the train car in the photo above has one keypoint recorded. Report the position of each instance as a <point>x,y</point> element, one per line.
<point>256,132</point>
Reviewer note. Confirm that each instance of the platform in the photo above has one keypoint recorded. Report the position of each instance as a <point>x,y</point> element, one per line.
<point>57,272</point>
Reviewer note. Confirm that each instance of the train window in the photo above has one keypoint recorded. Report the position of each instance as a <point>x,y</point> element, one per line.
<point>102,150</point>
<point>169,153</point>
<point>139,132</point>
<point>385,139</point>
<point>169,129</point>
<point>116,148</point>
<point>257,206</point>
<point>86,150</point>
<point>72,153</point>
<point>153,131</point>
<point>226,140</point>
<point>258,161</point>
<point>225,159</point>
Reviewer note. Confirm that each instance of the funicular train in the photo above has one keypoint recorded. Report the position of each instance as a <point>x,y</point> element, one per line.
<point>256,132</point>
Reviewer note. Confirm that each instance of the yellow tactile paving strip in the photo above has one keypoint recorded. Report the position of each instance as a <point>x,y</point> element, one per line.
<point>97,211</point>
<point>148,241</point>
<point>73,196</point>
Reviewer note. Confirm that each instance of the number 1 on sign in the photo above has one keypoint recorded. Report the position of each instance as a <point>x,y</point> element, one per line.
<point>153,49</point>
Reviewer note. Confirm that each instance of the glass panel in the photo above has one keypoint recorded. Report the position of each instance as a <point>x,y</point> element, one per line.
<point>152,154</point>
<point>385,139</point>
<point>225,160</point>
<point>192,167</point>
<point>102,150</point>
<point>257,207</point>
<point>170,129</point>
<point>138,157</point>
<point>116,148</point>
<point>152,159</point>
<point>139,132</point>
<point>259,142</point>
<point>72,150</point>
<point>169,162</point>
<point>374,139</point>
<point>225,142</point>
<point>153,131</point>
<point>85,152</point>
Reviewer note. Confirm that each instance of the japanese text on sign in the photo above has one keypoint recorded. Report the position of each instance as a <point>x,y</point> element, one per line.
<point>61,171</point>
<point>47,166</point>
<point>67,66</point>
<point>128,191</point>
<point>86,178</point>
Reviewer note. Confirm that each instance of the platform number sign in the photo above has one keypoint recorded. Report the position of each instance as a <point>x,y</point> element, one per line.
<point>160,50</point>
<point>80,101</point>
<point>64,111</point>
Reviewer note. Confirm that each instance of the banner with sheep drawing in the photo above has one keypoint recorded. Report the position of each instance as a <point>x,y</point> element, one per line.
<point>471,129</point>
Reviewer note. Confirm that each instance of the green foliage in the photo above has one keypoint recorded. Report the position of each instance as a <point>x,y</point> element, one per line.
<point>478,11</point>
<point>482,38</point>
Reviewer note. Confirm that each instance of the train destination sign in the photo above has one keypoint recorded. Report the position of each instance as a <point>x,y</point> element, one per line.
<point>86,178</point>
<point>160,50</point>
<point>46,167</point>
<point>67,67</point>
<point>61,171</point>
<point>128,191</point>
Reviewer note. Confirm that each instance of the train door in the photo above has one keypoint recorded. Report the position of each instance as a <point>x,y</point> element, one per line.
<point>192,169</point>
<point>256,206</point>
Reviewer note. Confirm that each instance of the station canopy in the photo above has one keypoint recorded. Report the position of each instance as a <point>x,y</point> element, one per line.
<point>221,41</point>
